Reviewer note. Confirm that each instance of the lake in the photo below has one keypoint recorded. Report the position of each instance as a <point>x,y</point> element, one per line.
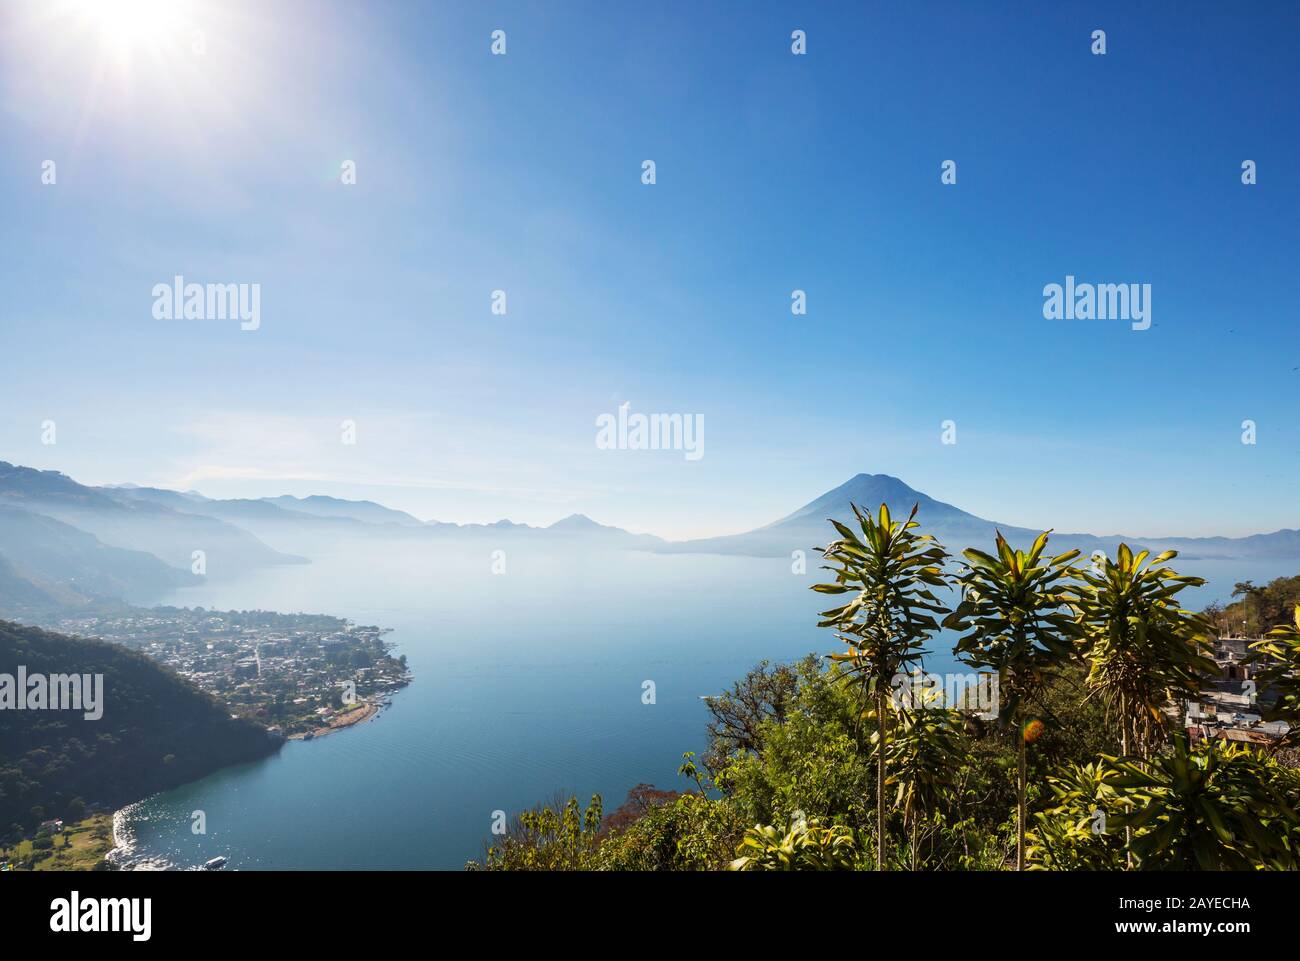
<point>525,684</point>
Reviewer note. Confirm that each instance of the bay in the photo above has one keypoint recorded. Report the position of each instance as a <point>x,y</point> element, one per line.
<point>527,684</point>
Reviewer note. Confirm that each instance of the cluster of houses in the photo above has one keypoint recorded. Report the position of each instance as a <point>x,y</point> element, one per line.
<point>289,672</point>
<point>1229,707</point>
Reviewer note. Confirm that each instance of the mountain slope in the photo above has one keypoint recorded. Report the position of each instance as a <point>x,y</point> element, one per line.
<point>808,527</point>
<point>581,526</point>
<point>119,520</point>
<point>49,553</point>
<point>157,730</point>
<point>871,489</point>
<point>366,511</point>
<point>25,595</point>
<point>153,495</point>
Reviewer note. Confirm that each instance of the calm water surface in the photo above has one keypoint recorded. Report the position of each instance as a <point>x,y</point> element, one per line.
<point>525,684</point>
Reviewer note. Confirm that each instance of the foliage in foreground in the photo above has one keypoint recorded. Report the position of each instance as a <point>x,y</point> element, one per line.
<point>810,766</point>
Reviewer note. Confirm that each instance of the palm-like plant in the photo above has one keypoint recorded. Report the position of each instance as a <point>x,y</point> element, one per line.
<point>807,846</point>
<point>924,757</point>
<point>1279,652</point>
<point>1015,610</point>
<point>1072,833</point>
<point>1215,807</point>
<point>890,570</point>
<point>1143,649</point>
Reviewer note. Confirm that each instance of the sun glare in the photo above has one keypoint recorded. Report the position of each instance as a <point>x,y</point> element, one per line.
<point>137,68</point>
<point>127,24</point>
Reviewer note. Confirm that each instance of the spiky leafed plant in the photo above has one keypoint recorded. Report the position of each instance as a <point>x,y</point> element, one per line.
<point>889,569</point>
<point>925,754</point>
<point>1213,807</point>
<point>1016,615</point>
<point>1073,833</point>
<point>1144,651</point>
<point>1279,655</point>
<point>807,846</point>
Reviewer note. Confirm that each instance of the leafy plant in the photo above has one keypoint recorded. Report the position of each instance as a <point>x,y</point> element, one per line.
<point>807,846</point>
<point>1074,833</point>
<point>1143,650</point>
<point>1215,807</point>
<point>549,838</point>
<point>1015,611</point>
<point>924,757</point>
<point>1279,652</point>
<point>689,832</point>
<point>889,570</point>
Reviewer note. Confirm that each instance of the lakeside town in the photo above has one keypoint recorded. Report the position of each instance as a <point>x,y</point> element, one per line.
<point>308,675</point>
<point>1229,707</point>
<point>299,675</point>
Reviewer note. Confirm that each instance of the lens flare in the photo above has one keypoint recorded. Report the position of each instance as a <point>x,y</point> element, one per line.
<point>1033,730</point>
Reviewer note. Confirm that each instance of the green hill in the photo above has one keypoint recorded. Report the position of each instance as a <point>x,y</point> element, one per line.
<point>157,731</point>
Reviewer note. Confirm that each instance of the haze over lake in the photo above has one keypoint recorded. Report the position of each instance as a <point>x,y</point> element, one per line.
<point>525,683</point>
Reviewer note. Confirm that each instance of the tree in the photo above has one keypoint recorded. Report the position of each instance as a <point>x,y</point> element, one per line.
<point>552,837</point>
<point>1215,807</point>
<point>925,755</point>
<point>1143,650</point>
<point>889,570</point>
<point>1279,652</point>
<point>1073,834</point>
<point>737,717</point>
<point>1260,608</point>
<point>1251,600</point>
<point>1015,610</point>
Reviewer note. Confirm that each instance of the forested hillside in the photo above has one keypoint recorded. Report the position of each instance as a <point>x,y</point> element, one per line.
<point>157,731</point>
<point>1258,608</point>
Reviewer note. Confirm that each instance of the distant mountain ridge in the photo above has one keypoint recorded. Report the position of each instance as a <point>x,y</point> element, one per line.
<point>957,529</point>
<point>365,511</point>
<point>68,545</point>
<point>127,519</point>
<point>60,560</point>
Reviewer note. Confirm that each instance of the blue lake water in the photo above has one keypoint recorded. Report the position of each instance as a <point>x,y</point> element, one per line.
<point>525,684</point>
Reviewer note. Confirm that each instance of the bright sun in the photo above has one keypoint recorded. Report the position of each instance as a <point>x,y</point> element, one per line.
<point>124,24</point>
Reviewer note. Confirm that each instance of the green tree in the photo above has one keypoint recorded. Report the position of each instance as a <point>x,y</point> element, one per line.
<point>816,759</point>
<point>1072,833</point>
<point>1216,807</point>
<point>1016,615</point>
<point>689,833</point>
<point>549,838</point>
<point>1143,649</point>
<point>1249,609</point>
<point>925,754</point>
<point>1279,653</point>
<point>889,570</point>
<point>738,716</point>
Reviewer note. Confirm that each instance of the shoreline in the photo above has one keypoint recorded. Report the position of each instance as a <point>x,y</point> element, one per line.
<point>122,855</point>
<point>363,712</point>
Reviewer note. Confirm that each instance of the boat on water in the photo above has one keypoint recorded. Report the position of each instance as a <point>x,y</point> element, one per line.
<point>216,864</point>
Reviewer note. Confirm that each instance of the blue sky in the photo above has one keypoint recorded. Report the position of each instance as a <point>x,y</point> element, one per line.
<point>774,172</point>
